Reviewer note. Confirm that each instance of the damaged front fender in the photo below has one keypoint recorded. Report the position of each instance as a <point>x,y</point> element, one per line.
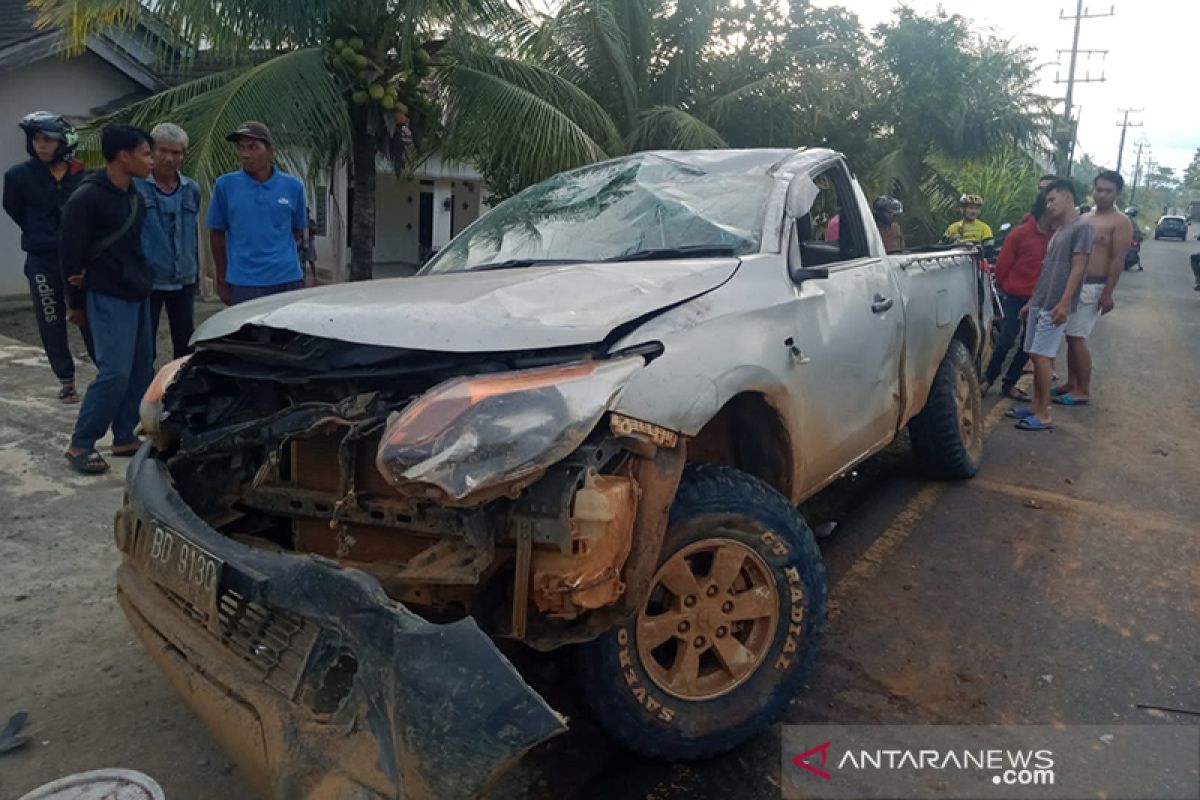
<point>348,687</point>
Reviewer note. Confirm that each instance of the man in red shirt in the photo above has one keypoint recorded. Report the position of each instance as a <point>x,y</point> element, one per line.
<point>1017,269</point>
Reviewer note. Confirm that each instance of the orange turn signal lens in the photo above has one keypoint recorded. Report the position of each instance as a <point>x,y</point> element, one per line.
<point>163,379</point>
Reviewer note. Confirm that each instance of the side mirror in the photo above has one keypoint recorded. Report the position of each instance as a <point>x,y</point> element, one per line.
<point>802,274</point>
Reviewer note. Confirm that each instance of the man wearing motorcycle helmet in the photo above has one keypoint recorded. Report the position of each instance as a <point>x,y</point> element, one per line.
<point>971,228</point>
<point>34,193</point>
<point>885,209</point>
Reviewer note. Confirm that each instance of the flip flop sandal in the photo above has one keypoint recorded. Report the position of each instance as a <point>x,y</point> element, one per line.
<point>8,737</point>
<point>1016,393</point>
<point>1055,391</point>
<point>67,394</point>
<point>1018,413</point>
<point>1068,400</point>
<point>88,462</point>
<point>1032,423</point>
<point>125,450</point>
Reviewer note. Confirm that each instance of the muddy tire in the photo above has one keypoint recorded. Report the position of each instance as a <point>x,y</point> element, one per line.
<point>947,436</point>
<point>729,631</point>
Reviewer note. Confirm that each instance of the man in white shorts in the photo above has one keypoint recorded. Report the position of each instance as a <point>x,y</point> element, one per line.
<point>1055,297</point>
<point>1113,233</point>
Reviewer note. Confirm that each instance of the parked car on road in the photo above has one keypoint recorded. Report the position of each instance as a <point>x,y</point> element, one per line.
<point>1172,227</point>
<point>587,421</point>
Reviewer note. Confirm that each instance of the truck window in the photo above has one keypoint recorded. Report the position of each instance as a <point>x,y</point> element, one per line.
<point>832,230</point>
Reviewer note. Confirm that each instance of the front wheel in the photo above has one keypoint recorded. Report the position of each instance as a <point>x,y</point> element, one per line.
<point>947,436</point>
<point>728,632</point>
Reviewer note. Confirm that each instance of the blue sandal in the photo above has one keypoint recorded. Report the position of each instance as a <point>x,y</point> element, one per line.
<point>1068,400</point>
<point>1021,412</point>
<point>1032,423</point>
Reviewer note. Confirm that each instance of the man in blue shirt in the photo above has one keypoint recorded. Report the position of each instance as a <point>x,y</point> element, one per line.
<point>169,235</point>
<point>255,219</point>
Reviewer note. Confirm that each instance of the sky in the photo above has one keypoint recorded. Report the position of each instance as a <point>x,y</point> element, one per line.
<point>1152,64</point>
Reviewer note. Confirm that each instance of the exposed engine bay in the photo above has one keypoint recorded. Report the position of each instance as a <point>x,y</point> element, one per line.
<point>495,495</point>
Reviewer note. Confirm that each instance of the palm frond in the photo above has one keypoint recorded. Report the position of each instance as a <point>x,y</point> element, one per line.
<point>669,127</point>
<point>686,34</point>
<point>520,119</point>
<point>293,94</point>
<point>596,45</point>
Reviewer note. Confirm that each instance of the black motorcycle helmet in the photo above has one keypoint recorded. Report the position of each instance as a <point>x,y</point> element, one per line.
<point>54,126</point>
<point>886,208</point>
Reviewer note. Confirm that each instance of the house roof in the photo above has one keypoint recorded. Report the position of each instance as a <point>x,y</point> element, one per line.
<point>22,44</point>
<point>16,23</point>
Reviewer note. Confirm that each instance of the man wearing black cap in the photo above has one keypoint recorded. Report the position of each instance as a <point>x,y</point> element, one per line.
<point>255,219</point>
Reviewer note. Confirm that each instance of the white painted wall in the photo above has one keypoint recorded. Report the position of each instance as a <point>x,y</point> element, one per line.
<point>397,213</point>
<point>69,87</point>
<point>397,219</point>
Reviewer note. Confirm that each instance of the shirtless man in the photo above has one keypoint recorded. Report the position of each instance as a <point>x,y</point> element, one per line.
<point>1113,233</point>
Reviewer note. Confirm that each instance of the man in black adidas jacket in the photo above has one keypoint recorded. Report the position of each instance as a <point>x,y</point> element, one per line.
<point>34,193</point>
<point>109,282</point>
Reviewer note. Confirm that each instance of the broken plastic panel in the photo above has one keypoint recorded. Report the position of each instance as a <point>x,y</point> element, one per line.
<point>643,202</point>
<point>474,433</point>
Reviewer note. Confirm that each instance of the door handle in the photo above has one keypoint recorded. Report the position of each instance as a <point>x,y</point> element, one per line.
<point>881,304</point>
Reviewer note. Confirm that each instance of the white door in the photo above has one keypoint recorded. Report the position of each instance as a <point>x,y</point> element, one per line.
<point>849,334</point>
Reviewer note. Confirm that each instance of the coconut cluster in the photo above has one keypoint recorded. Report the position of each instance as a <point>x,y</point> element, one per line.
<point>368,79</point>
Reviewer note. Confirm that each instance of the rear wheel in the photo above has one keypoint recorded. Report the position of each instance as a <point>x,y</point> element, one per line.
<point>728,632</point>
<point>947,436</point>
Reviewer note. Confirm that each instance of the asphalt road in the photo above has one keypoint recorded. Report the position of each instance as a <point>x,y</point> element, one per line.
<point>1060,586</point>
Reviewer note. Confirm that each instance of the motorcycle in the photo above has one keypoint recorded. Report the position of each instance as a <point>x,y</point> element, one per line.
<point>1133,258</point>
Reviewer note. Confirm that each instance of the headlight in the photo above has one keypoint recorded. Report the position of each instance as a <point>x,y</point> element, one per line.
<point>151,408</point>
<point>473,433</point>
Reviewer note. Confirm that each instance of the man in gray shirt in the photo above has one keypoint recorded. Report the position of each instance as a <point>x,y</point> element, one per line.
<point>1055,296</point>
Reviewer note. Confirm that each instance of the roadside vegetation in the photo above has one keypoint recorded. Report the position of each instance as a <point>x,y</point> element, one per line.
<point>924,107</point>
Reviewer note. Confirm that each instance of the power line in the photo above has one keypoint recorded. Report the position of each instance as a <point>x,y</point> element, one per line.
<point>1125,125</point>
<point>1066,129</point>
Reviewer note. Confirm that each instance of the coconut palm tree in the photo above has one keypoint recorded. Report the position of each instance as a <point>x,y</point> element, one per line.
<point>600,78</point>
<point>335,80</point>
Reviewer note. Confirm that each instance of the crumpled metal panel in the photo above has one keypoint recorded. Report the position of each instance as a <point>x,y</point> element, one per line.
<point>481,312</point>
<point>444,710</point>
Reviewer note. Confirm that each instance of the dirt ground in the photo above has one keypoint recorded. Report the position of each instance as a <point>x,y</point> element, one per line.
<point>1060,586</point>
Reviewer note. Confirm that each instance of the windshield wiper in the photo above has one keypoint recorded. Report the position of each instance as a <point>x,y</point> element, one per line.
<point>688,251</point>
<point>517,263</point>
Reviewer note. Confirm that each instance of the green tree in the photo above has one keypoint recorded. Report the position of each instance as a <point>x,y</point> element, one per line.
<point>943,91</point>
<point>334,79</point>
<point>600,78</point>
<point>1191,175</point>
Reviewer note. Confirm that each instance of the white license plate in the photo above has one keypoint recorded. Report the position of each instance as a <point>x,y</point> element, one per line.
<point>180,565</point>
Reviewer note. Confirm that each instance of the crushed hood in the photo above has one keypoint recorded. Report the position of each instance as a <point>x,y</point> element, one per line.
<point>490,311</point>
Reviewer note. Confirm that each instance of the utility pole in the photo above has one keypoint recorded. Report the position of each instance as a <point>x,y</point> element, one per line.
<point>1125,125</point>
<point>1065,130</point>
<point>1137,170</point>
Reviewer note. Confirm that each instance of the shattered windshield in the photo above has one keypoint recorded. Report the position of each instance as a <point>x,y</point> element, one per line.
<point>635,205</point>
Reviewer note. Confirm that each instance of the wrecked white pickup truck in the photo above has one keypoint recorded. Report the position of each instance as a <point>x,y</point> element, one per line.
<point>587,422</point>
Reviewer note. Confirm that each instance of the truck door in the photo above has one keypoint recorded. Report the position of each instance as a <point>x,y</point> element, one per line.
<point>849,333</point>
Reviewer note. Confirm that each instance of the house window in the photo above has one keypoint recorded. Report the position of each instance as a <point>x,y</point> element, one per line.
<point>321,215</point>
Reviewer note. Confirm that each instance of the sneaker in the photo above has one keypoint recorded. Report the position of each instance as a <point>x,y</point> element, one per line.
<point>67,394</point>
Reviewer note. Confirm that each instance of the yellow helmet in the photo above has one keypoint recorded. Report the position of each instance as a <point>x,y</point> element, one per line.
<point>970,200</point>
